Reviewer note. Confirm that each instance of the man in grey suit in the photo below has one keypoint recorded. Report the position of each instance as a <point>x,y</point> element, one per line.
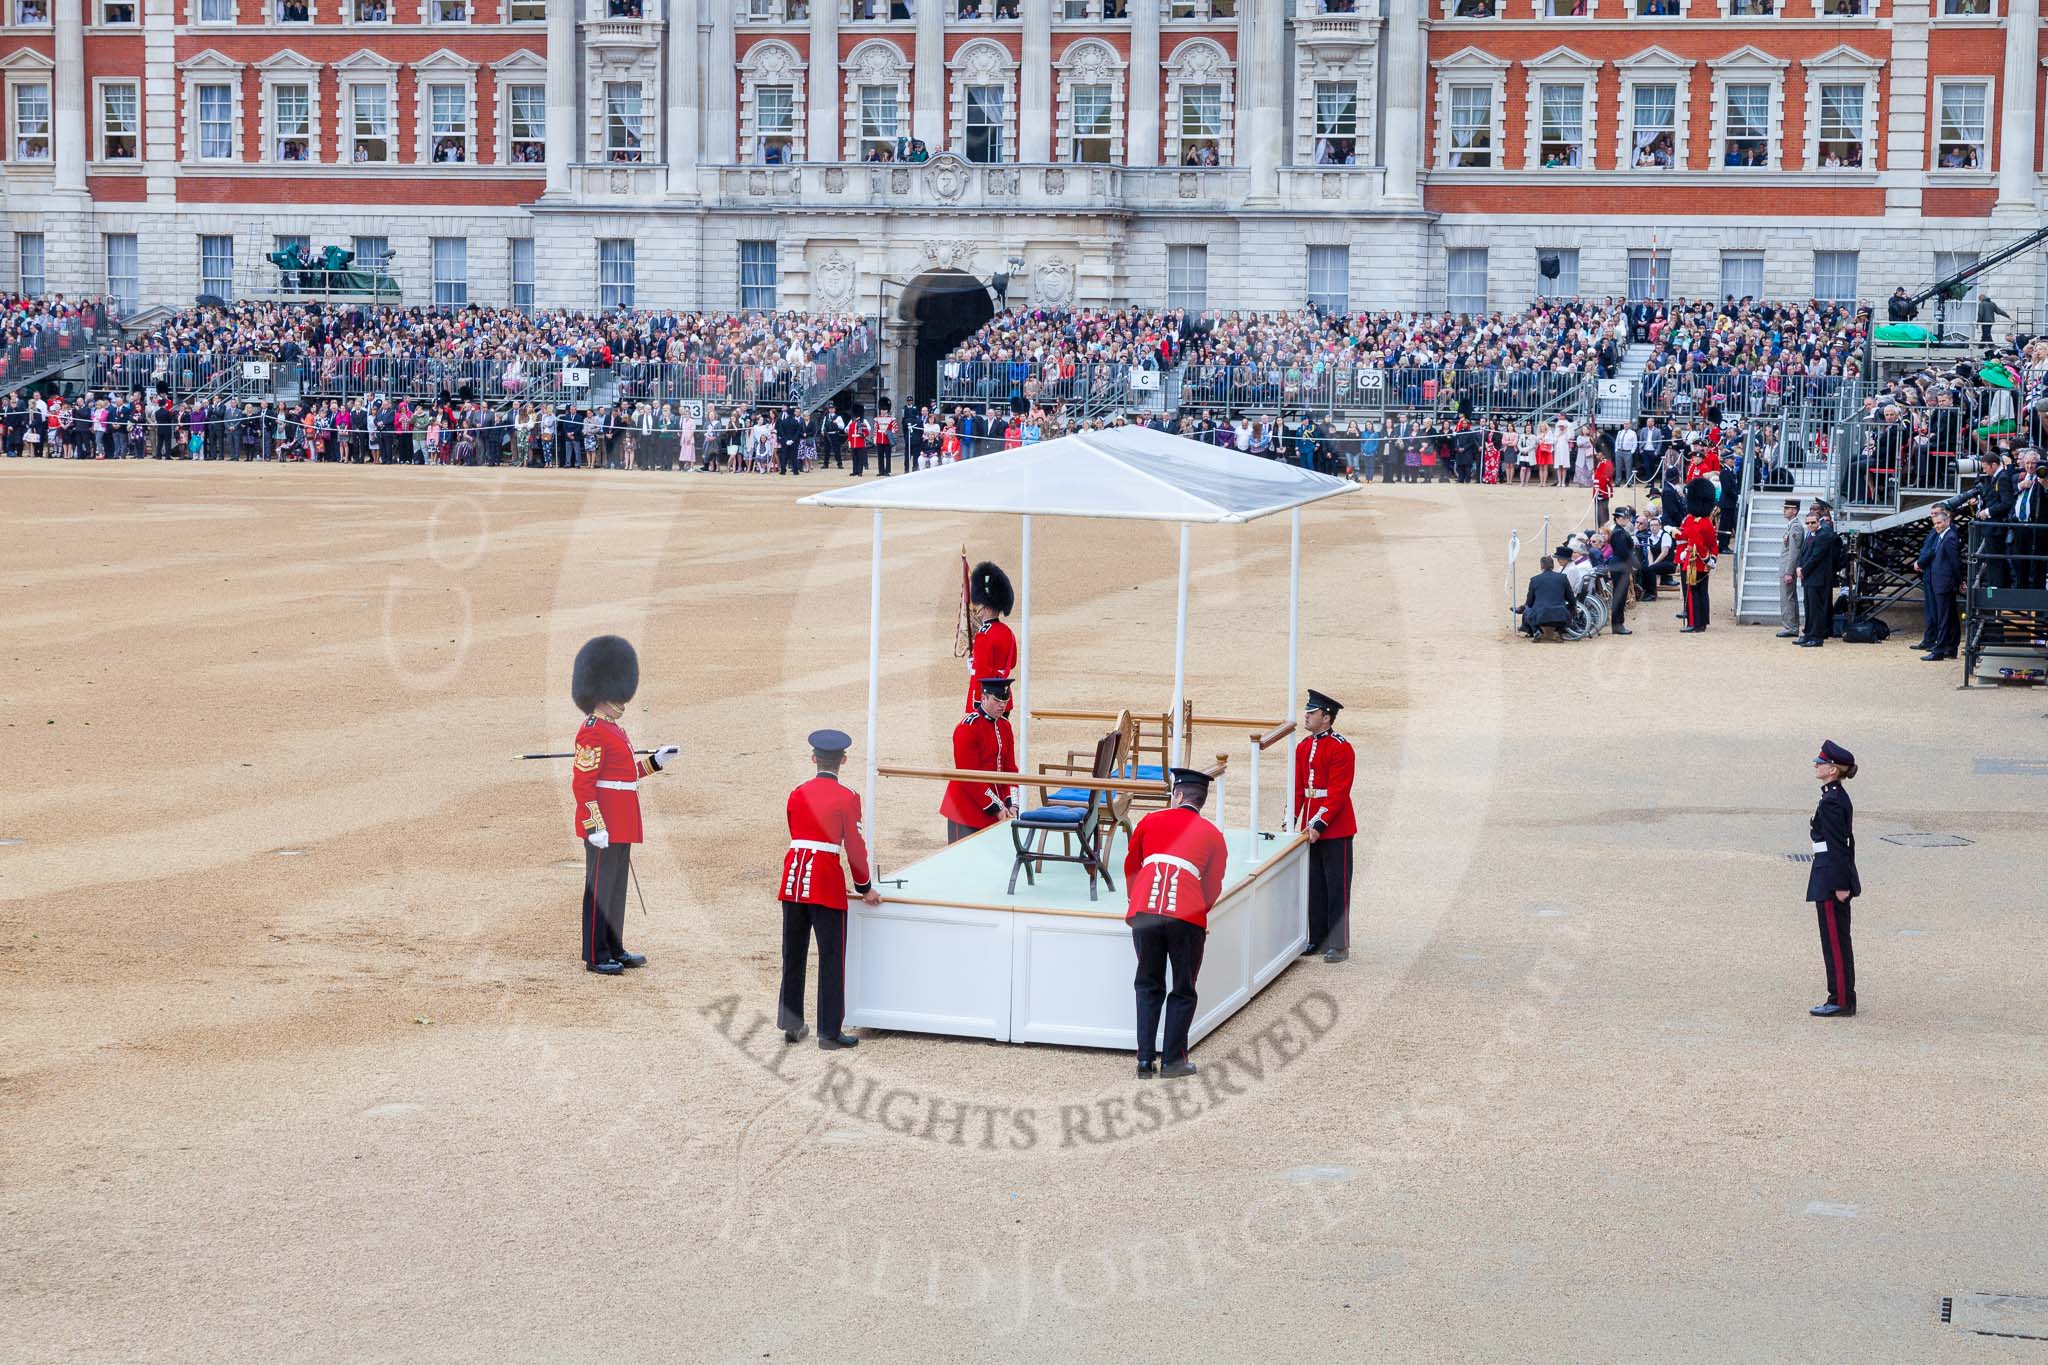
<point>1790,543</point>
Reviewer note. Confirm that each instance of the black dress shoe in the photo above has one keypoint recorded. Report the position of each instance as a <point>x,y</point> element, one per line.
<point>1932,658</point>
<point>1146,1071</point>
<point>604,967</point>
<point>1183,1067</point>
<point>631,959</point>
<point>1793,635</point>
<point>1809,644</point>
<point>1689,630</point>
<point>836,1042</point>
<point>790,1035</point>
<point>1312,950</point>
<point>1833,1011</point>
<point>1337,955</point>
<point>1621,630</point>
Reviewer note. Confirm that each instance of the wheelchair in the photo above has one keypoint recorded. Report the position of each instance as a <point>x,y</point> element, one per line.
<point>1590,609</point>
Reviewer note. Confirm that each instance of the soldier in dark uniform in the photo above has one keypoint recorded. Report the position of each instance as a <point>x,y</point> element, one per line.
<point>1833,883</point>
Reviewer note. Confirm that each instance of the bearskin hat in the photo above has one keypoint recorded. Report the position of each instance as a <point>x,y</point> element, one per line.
<point>1699,498</point>
<point>1713,414</point>
<point>607,670</point>
<point>990,587</point>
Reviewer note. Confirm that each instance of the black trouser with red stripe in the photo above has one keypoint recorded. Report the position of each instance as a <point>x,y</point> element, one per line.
<point>1329,893</point>
<point>1837,951</point>
<point>799,922</point>
<point>1696,612</point>
<point>1160,940</point>
<point>604,900</point>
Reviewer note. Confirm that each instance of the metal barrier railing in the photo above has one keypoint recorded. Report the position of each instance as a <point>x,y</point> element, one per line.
<point>1372,389</point>
<point>721,384</point>
<point>1741,394</point>
<point>47,347</point>
<point>1094,385</point>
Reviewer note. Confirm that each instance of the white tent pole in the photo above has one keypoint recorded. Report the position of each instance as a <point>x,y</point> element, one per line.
<point>1023,688</point>
<point>1293,636</point>
<point>874,680</point>
<point>1180,652</point>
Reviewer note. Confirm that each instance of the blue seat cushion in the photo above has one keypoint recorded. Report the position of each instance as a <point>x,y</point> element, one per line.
<point>1070,796</point>
<point>1053,817</point>
<point>1145,772</point>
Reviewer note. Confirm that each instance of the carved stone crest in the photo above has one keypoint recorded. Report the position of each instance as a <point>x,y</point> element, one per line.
<point>832,281</point>
<point>946,175</point>
<point>899,181</point>
<point>619,182</point>
<point>1190,186</point>
<point>1333,185</point>
<point>835,180</point>
<point>757,182</point>
<point>947,253</point>
<point>1055,181</point>
<point>1054,284</point>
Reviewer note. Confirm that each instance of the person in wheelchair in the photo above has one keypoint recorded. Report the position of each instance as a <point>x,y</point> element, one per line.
<point>1549,602</point>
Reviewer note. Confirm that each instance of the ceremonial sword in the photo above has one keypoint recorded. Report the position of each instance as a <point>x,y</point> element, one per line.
<point>641,752</point>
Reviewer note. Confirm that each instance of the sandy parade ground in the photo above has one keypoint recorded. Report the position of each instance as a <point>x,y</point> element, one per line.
<point>297,1059</point>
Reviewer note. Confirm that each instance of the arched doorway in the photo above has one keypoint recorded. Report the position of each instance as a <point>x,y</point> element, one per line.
<point>944,307</point>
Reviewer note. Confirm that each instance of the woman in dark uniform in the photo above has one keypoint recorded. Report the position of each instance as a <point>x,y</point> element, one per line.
<point>1833,883</point>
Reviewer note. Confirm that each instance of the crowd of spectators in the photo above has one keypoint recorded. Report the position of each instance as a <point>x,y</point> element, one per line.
<point>36,332</point>
<point>1748,356</point>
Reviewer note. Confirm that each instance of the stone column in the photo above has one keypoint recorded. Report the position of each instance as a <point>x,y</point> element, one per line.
<point>1034,84</point>
<point>1143,147</point>
<point>1406,71</point>
<point>721,89</point>
<point>2016,181</point>
<point>68,99</point>
<point>1262,133</point>
<point>928,81</point>
<point>685,94</point>
<point>563,90</point>
<point>823,81</point>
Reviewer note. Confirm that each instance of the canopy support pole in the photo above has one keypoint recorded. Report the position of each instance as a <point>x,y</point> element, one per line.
<point>1022,708</point>
<point>874,680</point>
<point>1180,656</point>
<point>1293,638</point>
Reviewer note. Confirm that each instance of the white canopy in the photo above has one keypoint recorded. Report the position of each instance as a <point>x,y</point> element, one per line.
<point>1129,472</point>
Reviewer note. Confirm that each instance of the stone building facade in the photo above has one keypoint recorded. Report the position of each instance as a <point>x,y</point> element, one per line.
<point>1221,154</point>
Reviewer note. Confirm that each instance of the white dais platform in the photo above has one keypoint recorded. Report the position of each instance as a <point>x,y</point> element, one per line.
<point>950,951</point>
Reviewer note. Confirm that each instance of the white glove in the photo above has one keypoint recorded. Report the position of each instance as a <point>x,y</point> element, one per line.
<point>663,756</point>
<point>601,839</point>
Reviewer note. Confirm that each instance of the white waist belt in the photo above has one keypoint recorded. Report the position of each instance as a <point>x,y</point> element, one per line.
<point>620,786</point>
<point>1820,846</point>
<point>1182,863</point>
<point>1314,791</point>
<point>813,846</point>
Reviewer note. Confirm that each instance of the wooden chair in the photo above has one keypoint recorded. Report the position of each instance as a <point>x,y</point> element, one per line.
<point>1084,835</point>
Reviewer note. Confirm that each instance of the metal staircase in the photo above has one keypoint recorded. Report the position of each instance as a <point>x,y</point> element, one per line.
<point>1613,410</point>
<point>1806,464</point>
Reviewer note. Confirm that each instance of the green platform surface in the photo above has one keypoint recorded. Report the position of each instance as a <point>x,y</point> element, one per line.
<point>976,871</point>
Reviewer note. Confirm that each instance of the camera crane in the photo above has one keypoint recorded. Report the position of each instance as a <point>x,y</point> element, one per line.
<point>1948,289</point>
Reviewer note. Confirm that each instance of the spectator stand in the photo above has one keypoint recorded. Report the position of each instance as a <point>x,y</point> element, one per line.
<point>40,344</point>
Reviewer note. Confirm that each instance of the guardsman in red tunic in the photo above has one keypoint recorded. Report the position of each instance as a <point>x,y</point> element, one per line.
<point>1698,546</point>
<point>982,742</point>
<point>1174,873</point>
<point>1323,766</point>
<point>824,820</point>
<point>995,644</point>
<point>607,790</point>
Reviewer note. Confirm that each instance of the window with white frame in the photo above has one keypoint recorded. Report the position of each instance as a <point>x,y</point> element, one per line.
<point>1566,9</point>
<point>120,121</point>
<point>624,132</point>
<point>31,13</point>
<point>1198,100</point>
<point>1742,275</point>
<point>448,126</point>
<point>1960,143</point>
<point>615,269</point>
<point>1201,124</point>
<point>1967,9</point>
<point>291,11</point>
<point>371,11</point>
<point>214,120</point>
<point>1092,109</point>
<point>1336,123</point>
<point>31,140</point>
<point>369,123</point>
<point>1465,274</point>
<point>880,11</point>
<point>522,273</point>
<point>1649,275</point>
<point>291,121</point>
<point>1472,9</point>
<point>1187,277</point>
<point>775,123</point>
<point>217,266</point>
<point>451,271</point>
<point>1834,276</point>
<point>527,12</point>
<point>1227,9</point>
<point>372,253</point>
<point>526,112</point>
<point>124,270</point>
<point>449,11</point>
<point>1841,140</point>
<point>1746,139</point>
<point>1947,263</point>
<point>28,263</point>
<point>1563,285</point>
<point>757,276</point>
<point>1844,9</point>
<point>985,123</point>
<point>1471,126</point>
<point>216,11</point>
<point>118,13</point>
<point>880,122</point>
<point>1561,132</point>
<point>1329,278</point>
<point>1653,126</point>
<point>1751,9</point>
<point>1659,9</point>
